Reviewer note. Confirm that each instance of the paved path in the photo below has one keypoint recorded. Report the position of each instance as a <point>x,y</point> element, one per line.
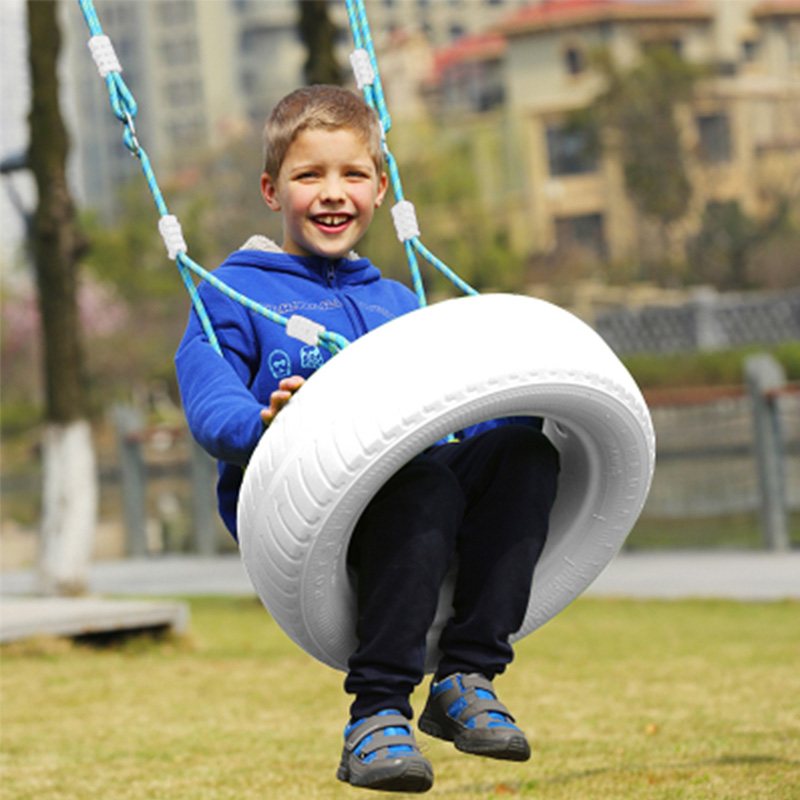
<point>737,575</point>
<point>734,575</point>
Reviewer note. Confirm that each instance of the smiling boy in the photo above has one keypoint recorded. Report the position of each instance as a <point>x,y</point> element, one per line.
<point>327,190</point>
<point>485,500</point>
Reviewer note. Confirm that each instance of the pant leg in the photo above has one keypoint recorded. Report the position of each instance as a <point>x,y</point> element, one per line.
<point>401,549</point>
<point>508,476</point>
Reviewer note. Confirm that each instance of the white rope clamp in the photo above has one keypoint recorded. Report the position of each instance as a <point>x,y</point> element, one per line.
<point>362,68</point>
<point>304,329</point>
<point>405,220</point>
<point>104,55</point>
<point>171,233</point>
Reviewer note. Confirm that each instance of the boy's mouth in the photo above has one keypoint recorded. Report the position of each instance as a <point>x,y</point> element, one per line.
<point>332,223</point>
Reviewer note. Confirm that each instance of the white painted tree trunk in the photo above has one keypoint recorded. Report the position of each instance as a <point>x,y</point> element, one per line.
<point>69,513</point>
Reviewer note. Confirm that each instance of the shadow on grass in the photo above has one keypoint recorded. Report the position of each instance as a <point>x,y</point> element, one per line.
<point>521,787</point>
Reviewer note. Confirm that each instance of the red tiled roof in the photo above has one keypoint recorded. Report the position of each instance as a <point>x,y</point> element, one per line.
<point>480,47</point>
<point>566,13</point>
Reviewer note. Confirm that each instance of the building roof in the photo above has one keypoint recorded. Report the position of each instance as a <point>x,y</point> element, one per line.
<point>478,47</point>
<point>777,8</point>
<point>557,14</point>
<point>552,14</point>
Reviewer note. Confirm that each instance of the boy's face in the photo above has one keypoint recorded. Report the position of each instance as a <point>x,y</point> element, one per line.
<point>327,191</point>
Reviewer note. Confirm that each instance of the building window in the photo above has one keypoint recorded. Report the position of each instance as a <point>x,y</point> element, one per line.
<point>749,50</point>
<point>456,31</point>
<point>793,35</point>
<point>585,231</point>
<point>180,52</point>
<point>575,60</point>
<point>570,151</point>
<point>184,93</point>
<point>254,38</point>
<point>176,12</point>
<point>714,131</point>
<point>187,133</point>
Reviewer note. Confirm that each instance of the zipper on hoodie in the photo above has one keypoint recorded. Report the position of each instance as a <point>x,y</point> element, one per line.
<point>349,306</point>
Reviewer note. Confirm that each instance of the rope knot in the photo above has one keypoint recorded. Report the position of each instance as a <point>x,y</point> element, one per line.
<point>405,220</point>
<point>104,55</point>
<point>304,329</point>
<point>172,234</point>
<point>362,68</point>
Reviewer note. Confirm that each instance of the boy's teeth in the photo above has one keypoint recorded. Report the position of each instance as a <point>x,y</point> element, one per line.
<point>330,220</point>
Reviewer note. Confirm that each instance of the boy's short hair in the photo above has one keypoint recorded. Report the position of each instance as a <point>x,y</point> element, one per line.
<point>319,107</point>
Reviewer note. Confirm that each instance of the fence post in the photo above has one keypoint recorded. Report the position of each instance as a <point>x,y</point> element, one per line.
<point>709,335</point>
<point>765,377</point>
<point>203,474</point>
<point>128,422</point>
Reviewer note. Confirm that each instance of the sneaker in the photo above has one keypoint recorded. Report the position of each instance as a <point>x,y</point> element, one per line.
<point>464,709</point>
<point>380,752</point>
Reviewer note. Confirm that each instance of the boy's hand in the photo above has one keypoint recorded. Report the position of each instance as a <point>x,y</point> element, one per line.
<point>279,398</point>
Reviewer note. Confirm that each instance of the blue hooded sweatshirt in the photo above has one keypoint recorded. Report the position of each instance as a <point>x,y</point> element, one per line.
<point>223,397</point>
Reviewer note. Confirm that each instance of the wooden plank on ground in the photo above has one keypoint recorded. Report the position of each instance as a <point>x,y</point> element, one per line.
<point>26,617</point>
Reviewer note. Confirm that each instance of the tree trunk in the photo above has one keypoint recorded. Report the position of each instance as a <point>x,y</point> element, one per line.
<point>319,36</point>
<point>70,479</point>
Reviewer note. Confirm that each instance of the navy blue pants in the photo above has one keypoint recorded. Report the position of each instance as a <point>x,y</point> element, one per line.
<point>487,500</point>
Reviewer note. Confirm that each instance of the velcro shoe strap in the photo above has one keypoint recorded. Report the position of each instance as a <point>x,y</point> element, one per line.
<point>475,705</point>
<point>475,681</point>
<point>480,705</point>
<point>383,742</point>
<point>376,723</point>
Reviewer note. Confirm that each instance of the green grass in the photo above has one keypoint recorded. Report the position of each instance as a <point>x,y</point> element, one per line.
<point>621,699</point>
<point>707,368</point>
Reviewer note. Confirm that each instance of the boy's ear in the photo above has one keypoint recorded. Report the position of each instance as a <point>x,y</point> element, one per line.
<point>383,185</point>
<point>269,192</point>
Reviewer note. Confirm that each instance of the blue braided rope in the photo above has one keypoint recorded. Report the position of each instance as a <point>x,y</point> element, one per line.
<point>123,104</point>
<point>436,262</point>
<point>333,342</point>
<point>362,39</point>
<point>373,94</point>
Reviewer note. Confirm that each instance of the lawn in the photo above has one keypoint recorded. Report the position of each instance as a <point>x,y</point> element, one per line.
<point>621,699</point>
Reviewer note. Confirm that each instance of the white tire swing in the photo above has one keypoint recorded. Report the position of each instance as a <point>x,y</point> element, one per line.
<point>403,387</point>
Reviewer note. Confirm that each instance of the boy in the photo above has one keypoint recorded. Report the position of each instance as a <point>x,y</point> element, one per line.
<point>485,499</point>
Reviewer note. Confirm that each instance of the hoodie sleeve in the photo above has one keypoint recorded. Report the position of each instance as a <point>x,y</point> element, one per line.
<point>222,412</point>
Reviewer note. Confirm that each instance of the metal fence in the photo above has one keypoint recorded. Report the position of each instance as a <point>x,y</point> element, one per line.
<point>721,452</point>
<point>713,460</point>
<point>710,320</point>
<point>716,457</point>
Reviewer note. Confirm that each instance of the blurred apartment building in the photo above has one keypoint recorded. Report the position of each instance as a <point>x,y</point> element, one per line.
<point>520,82</point>
<point>206,70</point>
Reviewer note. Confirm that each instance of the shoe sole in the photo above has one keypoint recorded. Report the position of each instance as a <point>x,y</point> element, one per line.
<point>399,775</point>
<point>515,748</point>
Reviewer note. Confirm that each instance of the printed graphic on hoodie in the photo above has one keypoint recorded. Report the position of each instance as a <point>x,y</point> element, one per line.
<point>280,365</point>
<point>311,357</point>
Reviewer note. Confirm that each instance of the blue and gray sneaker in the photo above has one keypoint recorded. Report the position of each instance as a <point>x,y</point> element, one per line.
<point>464,709</point>
<point>380,752</point>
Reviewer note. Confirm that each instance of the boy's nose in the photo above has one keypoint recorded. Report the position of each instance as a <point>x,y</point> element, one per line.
<point>332,190</point>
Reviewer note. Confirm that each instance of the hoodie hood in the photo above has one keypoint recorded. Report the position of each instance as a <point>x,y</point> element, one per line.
<point>263,253</point>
